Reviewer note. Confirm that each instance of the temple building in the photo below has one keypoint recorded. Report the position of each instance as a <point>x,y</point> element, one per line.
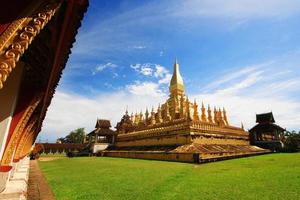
<point>266,133</point>
<point>178,125</point>
<point>101,137</point>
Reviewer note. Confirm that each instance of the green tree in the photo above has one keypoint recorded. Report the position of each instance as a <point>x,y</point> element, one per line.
<point>76,136</point>
<point>292,141</point>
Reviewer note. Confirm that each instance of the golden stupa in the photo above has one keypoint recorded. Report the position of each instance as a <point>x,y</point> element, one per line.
<point>176,126</point>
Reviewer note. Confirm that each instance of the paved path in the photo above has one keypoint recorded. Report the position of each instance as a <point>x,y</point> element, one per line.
<point>38,188</point>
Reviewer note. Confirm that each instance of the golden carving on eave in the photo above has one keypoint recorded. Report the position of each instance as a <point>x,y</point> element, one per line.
<point>22,141</point>
<point>10,149</point>
<point>18,36</point>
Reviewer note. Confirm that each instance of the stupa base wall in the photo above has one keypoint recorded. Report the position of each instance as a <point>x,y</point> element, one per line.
<point>154,155</point>
<point>190,153</point>
<point>158,140</point>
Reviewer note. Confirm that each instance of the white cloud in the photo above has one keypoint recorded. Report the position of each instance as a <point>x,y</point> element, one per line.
<point>147,71</point>
<point>115,75</point>
<point>153,70</point>
<point>136,67</point>
<point>234,74</point>
<point>166,79</point>
<point>248,81</point>
<point>139,47</point>
<point>101,67</point>
<point>160,73</point>
<point>150,89</point>
<point>69,111</point>
<point>144,69</point>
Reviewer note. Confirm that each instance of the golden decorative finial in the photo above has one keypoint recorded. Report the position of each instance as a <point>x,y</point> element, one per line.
<point>132,117</point>
<point>159,117</point>
<point>203,115</point>
<point>225,117</point>
<point>153,121</point>
<point>196,114</point>
<point>221,119</point>
<point>136,118</point>
<point>167,116</point>
<point>188,111</point>
<point>209,114</point>
<point>141,116</point>
<point>147,115</point>
<point>215,115</point>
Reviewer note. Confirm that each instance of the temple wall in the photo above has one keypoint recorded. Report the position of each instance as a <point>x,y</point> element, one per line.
<point>181,138</point>
<point>217,140</point>
<point>166,156</point>
<point>178,139</point>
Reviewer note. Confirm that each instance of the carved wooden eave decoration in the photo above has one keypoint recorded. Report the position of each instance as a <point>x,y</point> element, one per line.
<point>18,36</point>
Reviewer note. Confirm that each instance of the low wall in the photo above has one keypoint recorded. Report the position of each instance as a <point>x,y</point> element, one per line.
<point>154,155</point>
<point>56,148</point>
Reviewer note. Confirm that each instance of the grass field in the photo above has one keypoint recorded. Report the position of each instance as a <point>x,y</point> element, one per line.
<point>273,176</point>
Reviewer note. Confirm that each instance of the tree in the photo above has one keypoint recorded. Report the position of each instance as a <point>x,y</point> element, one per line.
<point>292,141</point>
<point>76,136</point>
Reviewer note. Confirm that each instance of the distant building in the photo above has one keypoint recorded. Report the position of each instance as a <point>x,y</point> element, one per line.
<point>266,133</point>
<point>102,136</point>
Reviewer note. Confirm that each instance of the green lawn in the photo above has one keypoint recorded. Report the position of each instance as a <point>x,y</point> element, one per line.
<point>273,176</point>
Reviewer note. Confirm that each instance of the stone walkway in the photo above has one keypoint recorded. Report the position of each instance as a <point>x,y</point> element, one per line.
<point>38,188</point>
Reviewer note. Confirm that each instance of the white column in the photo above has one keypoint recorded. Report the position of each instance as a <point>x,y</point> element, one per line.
<point>8,100</point>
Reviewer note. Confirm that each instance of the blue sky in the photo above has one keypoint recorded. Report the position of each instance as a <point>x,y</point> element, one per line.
<point>244,55</point>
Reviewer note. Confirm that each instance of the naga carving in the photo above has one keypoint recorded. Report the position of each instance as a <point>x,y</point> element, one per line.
<point>18,36</point>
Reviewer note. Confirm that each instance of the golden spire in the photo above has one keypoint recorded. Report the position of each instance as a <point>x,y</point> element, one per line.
<point>159,117</point>
<point>176,84</point>
<point>153,116</point>
<point>136,118</point>
<point>141,116</point>
<point>209,114</point>
<point>221,119</point>
<point>132,117</point>
<point>225,116</point>
<point>196,114</point>
<point>216,116</point>
<point>147,115</point>
<point>203,115</point>
<point>188,111</point>
<point>167,116</point>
